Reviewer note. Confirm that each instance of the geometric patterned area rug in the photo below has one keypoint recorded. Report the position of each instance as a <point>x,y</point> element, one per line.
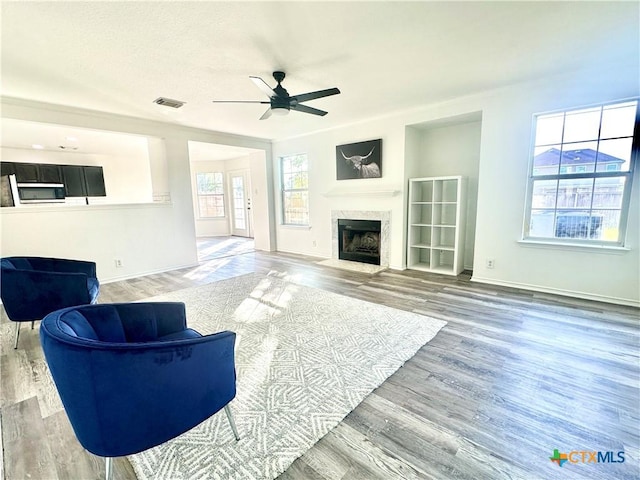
<point>304,358</point>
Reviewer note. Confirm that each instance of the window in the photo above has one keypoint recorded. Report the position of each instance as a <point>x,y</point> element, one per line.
<point>295,189</point>
<point>210,194</point>
<point>580,174</point>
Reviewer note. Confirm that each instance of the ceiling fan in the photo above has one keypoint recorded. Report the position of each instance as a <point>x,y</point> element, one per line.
<point>281,102</point>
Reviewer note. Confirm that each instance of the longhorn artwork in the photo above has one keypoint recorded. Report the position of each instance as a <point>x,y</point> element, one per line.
<point>359,160</point>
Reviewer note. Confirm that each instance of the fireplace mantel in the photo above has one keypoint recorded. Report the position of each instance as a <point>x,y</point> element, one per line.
<point>369,192</point>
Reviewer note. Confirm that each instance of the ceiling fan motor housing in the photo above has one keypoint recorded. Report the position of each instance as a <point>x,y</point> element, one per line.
<point>281,100</point>
<point>279,76</point>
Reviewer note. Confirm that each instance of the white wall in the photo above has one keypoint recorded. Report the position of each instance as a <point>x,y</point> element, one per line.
<point>326,193</point>
<point>262,201</point>
<point>159,170</point>
<point>148,238</point>
<point>596,273</point>
<point>100,233</point>
<point>506,134</point>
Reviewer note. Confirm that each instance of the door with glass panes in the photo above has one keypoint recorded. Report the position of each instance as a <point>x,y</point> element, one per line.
<point>240,188</point>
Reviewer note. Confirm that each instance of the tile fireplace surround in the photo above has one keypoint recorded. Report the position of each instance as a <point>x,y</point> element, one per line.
<point>385,225</point>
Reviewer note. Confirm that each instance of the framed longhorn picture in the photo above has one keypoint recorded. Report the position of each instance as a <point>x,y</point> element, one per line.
<point>359,160</point>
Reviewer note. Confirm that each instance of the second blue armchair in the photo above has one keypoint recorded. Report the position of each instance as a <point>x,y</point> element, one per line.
<point>32,287</point>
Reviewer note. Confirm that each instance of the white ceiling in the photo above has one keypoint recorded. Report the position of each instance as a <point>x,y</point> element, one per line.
<point>384,56</point>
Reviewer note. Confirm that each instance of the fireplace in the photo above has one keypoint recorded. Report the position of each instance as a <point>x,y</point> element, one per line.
<point>359,240</point>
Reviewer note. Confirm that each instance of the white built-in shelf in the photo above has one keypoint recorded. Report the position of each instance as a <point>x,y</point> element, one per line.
<point>436,224</point>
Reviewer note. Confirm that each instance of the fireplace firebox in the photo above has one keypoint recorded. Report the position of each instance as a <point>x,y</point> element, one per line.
<point>359,240</point>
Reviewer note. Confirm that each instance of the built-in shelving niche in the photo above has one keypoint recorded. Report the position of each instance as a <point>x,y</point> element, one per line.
<point>445,147</point>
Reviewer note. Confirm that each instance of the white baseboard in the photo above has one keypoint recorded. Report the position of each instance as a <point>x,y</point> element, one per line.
<point>558,291</point>
<point>144,274</point>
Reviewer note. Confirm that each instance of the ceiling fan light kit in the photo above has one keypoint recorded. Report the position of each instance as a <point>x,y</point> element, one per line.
<point>280,111</point>
<point>280,102</point>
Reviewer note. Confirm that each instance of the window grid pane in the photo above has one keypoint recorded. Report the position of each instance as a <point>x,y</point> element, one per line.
<point>574,192</point>
<point>210,190</point>
<point>295,195</point>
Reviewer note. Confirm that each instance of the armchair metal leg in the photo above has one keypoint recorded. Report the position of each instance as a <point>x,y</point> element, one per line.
<point>227,410</point>
<point>108,468</point>
<point>15,345</point>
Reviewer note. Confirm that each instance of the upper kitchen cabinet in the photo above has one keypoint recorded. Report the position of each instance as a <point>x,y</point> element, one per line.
<point>75,184</point>
<point>7,168</point>
<point>49,173</point>
<point>32,172</point>
<point>94,182</point>
<point>83,181</point>
<point>78,180</point>
<point>27,172</point>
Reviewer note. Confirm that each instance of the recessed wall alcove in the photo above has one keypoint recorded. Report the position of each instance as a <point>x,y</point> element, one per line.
<point>447,147</point>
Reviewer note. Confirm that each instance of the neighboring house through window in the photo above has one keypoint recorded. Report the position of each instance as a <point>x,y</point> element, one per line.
<point>210,194</point>
<point>295,189</point>
<point>580,174</point>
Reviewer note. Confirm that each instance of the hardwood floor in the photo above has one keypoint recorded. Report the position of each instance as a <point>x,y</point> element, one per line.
<point>511,377</point>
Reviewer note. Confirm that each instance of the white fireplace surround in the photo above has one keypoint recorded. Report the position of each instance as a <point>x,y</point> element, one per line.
<point>385,225</point>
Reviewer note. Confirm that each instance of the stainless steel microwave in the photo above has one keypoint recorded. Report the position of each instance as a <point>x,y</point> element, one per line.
<point>41,192</point>
<point>38,192</point>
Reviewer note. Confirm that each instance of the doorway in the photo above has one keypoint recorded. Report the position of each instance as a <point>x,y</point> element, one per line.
<point>241,213</point>
<point>243,191</point>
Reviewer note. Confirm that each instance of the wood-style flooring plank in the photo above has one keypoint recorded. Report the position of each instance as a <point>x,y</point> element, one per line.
<point>72,461</point>
<point>24,440</point>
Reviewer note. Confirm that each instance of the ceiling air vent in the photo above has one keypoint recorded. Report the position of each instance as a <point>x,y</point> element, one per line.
<point>167,102</point>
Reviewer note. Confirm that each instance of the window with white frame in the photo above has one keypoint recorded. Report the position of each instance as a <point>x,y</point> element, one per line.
<point>580,174</point>
<point>295,189</point>
<point>210,194</point>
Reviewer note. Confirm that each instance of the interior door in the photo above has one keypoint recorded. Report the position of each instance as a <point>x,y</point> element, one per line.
<point>241,214</point>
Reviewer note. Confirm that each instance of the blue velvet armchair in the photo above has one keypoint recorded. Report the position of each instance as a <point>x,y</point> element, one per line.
<point>132,375</point>
<point>32,287</point>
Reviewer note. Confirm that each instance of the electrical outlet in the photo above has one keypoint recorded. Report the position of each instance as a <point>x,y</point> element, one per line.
<point>118,262</point>
<point>314,243</point>
<point>491,263</point>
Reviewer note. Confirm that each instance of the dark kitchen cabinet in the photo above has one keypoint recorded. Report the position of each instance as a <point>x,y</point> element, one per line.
<point>75,184</point>
<point>49,173</point>
<point>7,168</point>
<point>32,172</point>
<point>78,180</point>
<point>26,172</point>
<point>95,181</point>
<point>83,181</point>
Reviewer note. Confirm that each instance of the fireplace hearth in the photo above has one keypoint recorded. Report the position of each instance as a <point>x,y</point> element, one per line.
<point>359,240</point>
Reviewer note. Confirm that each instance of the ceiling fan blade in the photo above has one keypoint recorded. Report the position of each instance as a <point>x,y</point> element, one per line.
<point>262,85</point>
<point>238,101</point>
<point>306,109</point>
<point>304,97</point>
<point>266,114</point>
